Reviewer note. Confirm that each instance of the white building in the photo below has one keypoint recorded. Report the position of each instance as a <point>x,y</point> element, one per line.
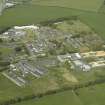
<point>80,65</point>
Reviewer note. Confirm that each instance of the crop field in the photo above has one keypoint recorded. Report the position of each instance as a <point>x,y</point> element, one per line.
<point>90,5</point>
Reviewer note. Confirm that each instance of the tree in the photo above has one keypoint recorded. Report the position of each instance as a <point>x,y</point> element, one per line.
<point>1,40</point>
<point>18,49</point>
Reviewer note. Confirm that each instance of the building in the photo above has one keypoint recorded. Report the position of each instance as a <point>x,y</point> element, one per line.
<point>15,34</point>
<point>97,64</point>
<point>94,54</point>
<point>27,27</point>
<point>81,65</point>
<point>74,56</point>
<point>76,61</point>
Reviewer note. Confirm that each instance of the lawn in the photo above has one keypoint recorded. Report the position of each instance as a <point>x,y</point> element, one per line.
<point>89,5</point>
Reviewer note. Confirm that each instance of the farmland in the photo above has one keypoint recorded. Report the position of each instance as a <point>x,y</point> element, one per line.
<point>67,98</point>
<point>27,17</point>
<point>80,4</point>
<point>93,95</point>
<point>91,15</point>
<point>57,77</point>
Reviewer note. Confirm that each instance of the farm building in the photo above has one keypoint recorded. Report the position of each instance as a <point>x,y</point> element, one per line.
<point>94,54</point>
<point>80,65</point>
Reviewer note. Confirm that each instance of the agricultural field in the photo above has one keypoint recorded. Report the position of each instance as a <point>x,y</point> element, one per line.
<point>90,19</point>
<point>89,5</point>
<point>64,98</point>
<point>93,95</point>
<point>102,9</point>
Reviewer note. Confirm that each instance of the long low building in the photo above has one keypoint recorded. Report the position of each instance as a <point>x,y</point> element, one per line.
<point>81,65</point>
<point>26,67</point>
<point>74,56</point>
<point>97,64</point>
<point>76,61</point>
<point>94,54</point>
<point>26,27</point>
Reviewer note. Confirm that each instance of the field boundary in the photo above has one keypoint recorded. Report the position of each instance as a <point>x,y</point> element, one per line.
<point>73,88</point>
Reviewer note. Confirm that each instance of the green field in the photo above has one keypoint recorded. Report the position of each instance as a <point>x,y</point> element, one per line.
<point>89,5</point>
<point>64,98</point>
<point>21,15</point>
<point>51,81</point>
<point>8,90</point>
<point>102,9</point>
<point>30,14</point>
<point>0,1</point>
<point>33,14</point>
<point>93,95</point>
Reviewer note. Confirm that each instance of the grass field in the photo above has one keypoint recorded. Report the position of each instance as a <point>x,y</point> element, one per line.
<point>27,14</point>
<point>8,90</point>
<point>30,16</point>
<point>33,14</point>
<point>102,9</point>
<point>93,95</point>
<point>89,5</point>
<point>5,51</point>
<point>64,98</point>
